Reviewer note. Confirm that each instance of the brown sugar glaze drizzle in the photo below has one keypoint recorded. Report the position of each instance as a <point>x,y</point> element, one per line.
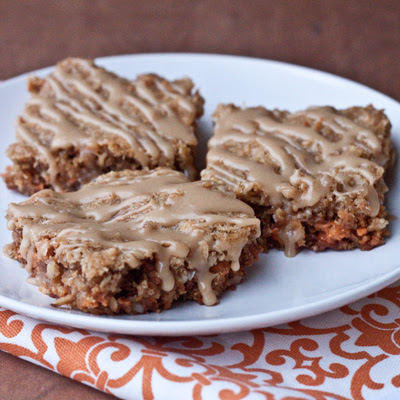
<point>127,213</point>
<point>302,163</point>
<point>76,105</point>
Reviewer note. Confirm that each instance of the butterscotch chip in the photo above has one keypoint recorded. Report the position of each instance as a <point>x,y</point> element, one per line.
<point>83,121</point>
<point>315,178</point>
<point>134,241</point>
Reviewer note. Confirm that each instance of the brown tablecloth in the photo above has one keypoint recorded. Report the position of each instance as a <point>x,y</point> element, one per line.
<point>357,40</point>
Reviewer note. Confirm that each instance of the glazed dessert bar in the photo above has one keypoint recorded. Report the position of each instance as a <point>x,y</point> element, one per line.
<point>134,241</point>
<point>315,178</point>
<point>83,121</point>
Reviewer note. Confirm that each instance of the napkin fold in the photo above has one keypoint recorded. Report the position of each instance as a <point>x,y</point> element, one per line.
<point>349,353</point>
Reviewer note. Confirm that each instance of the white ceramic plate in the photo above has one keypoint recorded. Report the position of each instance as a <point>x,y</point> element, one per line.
<point>277,289</point>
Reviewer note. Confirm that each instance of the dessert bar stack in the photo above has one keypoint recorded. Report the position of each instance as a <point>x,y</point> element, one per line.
<point>116,222</point>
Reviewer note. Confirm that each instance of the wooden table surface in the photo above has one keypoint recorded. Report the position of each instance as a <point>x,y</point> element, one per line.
<point>354,39</point>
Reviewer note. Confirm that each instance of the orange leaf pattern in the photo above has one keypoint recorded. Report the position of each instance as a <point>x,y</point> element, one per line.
<point>350,353</point>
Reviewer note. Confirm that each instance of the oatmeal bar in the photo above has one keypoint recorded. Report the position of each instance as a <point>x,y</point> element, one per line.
<point>134,241</point>
<point>83,121</point>
<point>313,177</point>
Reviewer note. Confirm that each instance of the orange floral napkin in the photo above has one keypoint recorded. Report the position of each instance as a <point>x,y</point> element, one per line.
<point>349,353</point>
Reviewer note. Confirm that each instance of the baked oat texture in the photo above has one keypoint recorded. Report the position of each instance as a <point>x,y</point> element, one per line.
<point>83,121</point>
<point>315,178</point>
<point>134,242</point>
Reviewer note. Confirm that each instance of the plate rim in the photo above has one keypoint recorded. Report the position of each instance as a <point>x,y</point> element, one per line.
<point>211,326</point>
